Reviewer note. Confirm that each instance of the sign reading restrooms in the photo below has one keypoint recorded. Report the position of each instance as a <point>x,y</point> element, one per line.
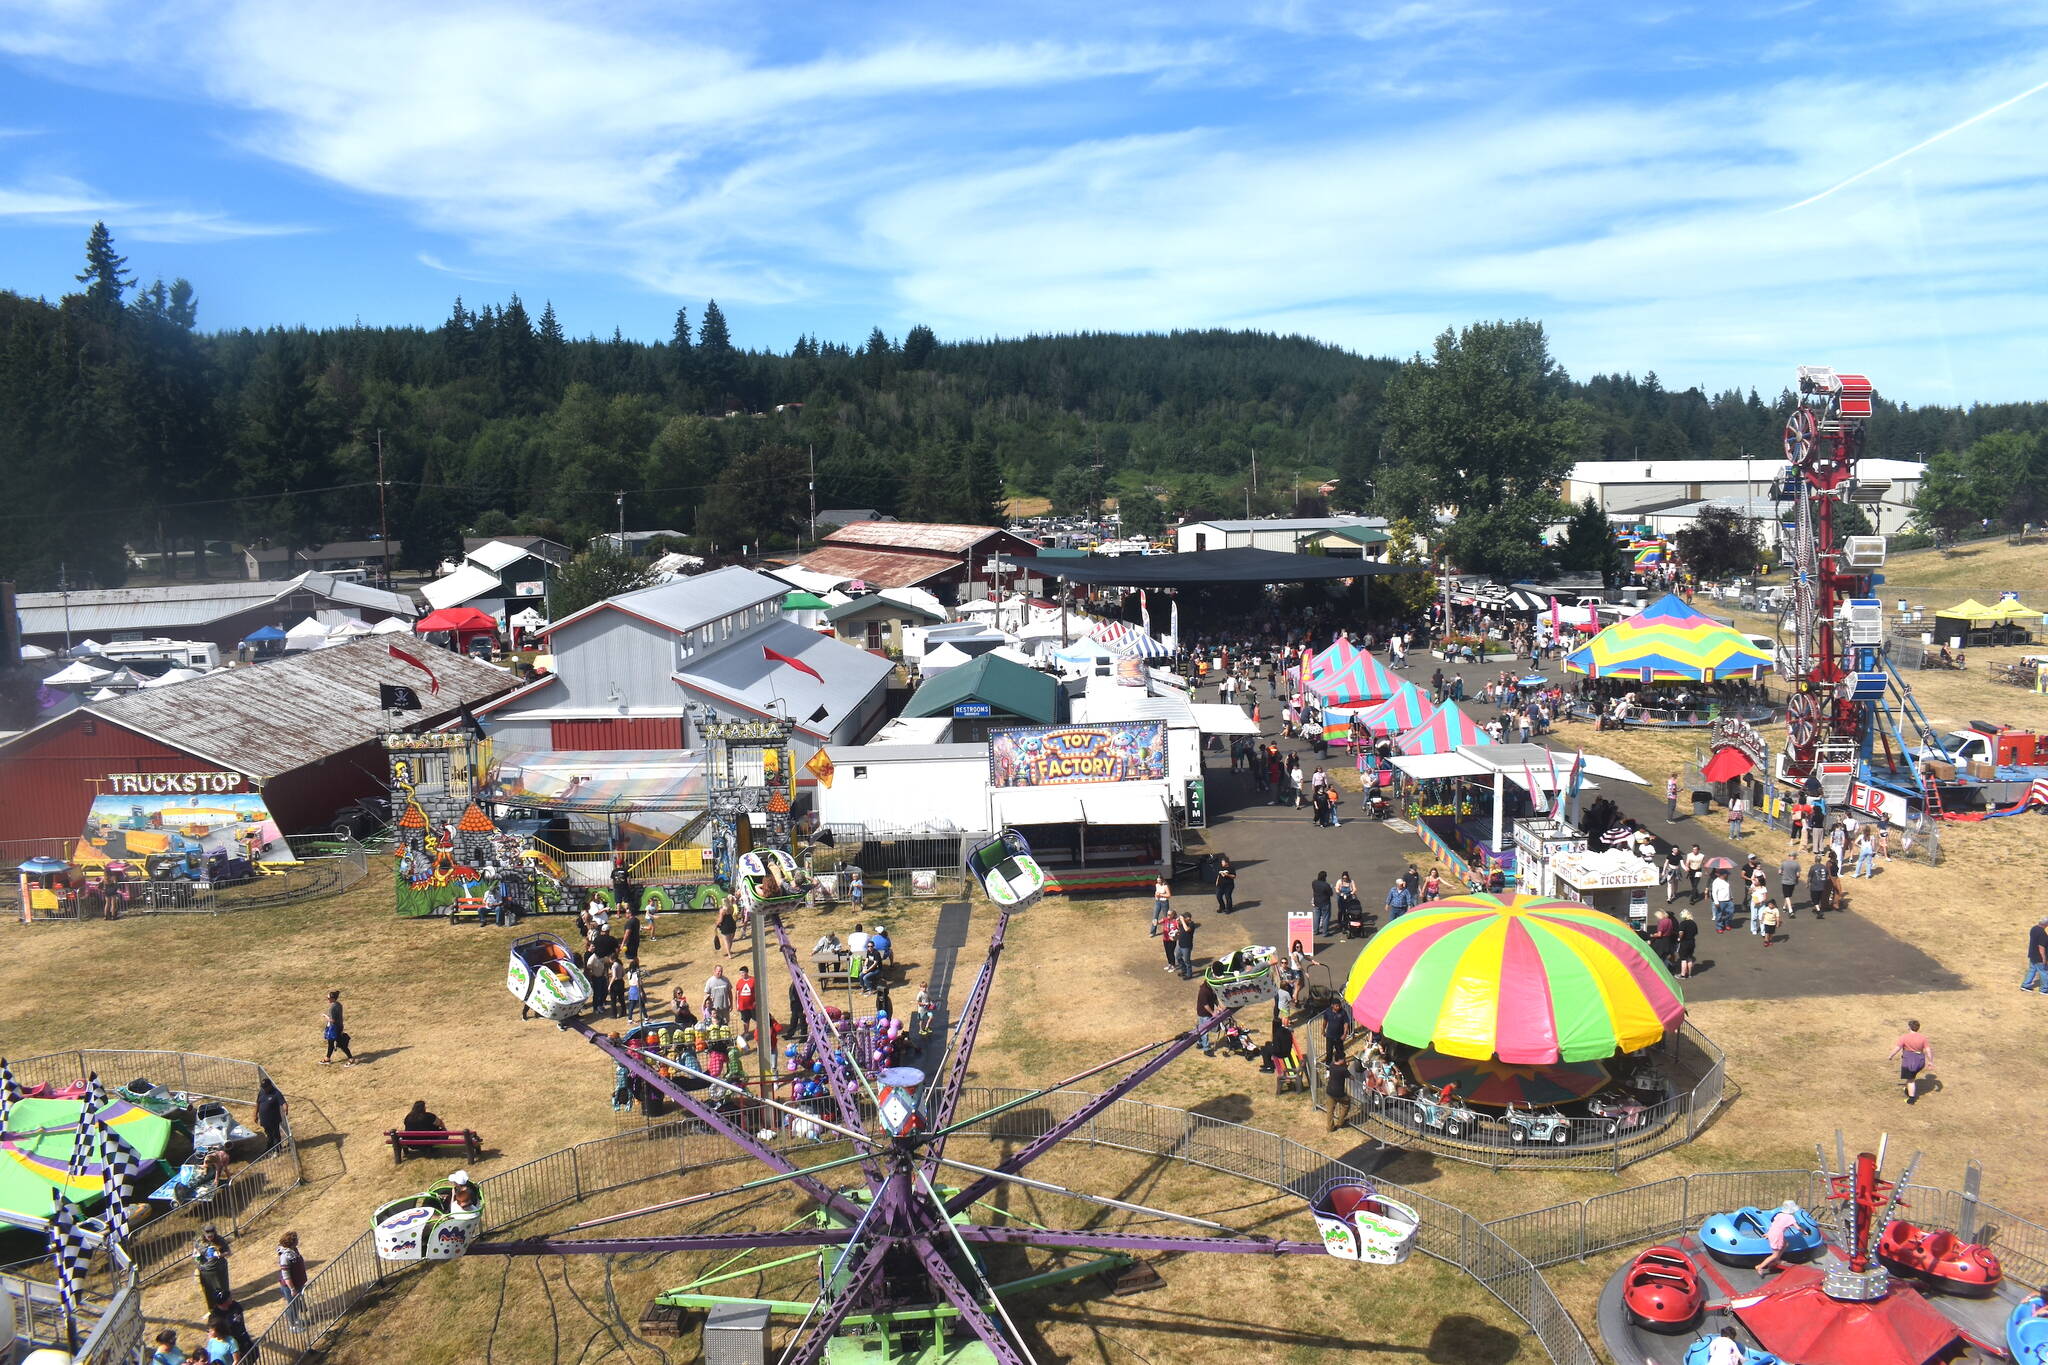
<point>1055,755</point>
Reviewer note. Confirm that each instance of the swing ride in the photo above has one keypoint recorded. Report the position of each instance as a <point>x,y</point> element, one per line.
<point>901,1257</point>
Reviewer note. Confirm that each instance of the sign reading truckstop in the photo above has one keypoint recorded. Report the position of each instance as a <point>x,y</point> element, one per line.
<point>1056,755</point>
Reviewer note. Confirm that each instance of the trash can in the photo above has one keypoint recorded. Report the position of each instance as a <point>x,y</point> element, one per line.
<point>1702,804</point>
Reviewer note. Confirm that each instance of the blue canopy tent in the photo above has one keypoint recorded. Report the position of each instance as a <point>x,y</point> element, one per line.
<point>263,635</point>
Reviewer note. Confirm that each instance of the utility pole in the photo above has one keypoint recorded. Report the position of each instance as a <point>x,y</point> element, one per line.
<point>64,588</point>
<point>620,498</point>
<point>383,526</point>
<point>811,458</point>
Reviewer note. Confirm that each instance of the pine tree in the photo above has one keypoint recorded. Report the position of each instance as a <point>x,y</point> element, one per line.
<point>981,500</point>
<point>918,345</point>
<point>717,362</point>
<point>106,276</point>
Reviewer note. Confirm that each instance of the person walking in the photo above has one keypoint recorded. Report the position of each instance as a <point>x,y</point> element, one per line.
<point>1664,937</point>
<point>1788,879</point>
<point>1184,945</point>
<point>724,926</point>
<point>1688,942</point>
<point>1337,1087</point>
<point>1169,930</point>
<point>1771,921</point>
<point>1162,903</point>
<point>1398,900</point>
<point>270,1111</point>
<point>1817,884</point>
<point>335,1033</point>
<point>1321,893</point>
<point>1695,864</point>
<point>1673,873</point>
<point>1914,1052</point>
<point>2037,958</point>
<point>1759,901</point>
<point>1671,799</point>
<point>1723,896</point>
<point>210,1268</point>
<point>1226,884</point>
<point>1736,806</point>
<point>291,1277</point>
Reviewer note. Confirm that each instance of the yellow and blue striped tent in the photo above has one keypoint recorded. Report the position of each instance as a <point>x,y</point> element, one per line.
<point>1668,641</point>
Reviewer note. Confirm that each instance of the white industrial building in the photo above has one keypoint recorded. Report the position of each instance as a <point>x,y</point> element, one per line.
<point>1286,534</point>
<point>1663,486</point>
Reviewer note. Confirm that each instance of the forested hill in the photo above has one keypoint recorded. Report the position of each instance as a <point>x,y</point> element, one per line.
<point>123,422</point>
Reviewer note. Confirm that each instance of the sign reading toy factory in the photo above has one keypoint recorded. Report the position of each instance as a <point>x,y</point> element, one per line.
<point>1732,732</point>
<point>173,784</point>
<point>1054,755</point>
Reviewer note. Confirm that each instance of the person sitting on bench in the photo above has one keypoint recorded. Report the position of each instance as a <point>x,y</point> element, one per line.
<point>419,1120</point>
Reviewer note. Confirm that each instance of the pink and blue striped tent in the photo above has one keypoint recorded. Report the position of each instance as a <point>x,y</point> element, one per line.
<point>1446,728</point>
<point>1400,713</point>
<point>1362,681</point>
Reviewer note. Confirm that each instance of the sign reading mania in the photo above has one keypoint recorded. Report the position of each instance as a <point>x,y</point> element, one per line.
<point>172,784</point>
<point>1052,755</point>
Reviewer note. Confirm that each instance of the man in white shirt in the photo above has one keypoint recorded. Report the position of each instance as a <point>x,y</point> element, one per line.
<point>1723,897</point>
<point>857,943</point>
<point>1726,1350</point>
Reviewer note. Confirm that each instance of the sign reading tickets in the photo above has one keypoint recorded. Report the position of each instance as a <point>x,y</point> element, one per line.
<point>1057,755</point>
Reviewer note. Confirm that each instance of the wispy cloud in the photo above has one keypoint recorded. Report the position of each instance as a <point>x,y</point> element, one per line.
<point>433,262</point>
<point>61,199</point>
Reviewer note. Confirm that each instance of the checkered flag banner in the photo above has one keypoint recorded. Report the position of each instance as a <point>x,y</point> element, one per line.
<point>65,1239</point>
<point>119,1165</point>
<point>10,1091</point>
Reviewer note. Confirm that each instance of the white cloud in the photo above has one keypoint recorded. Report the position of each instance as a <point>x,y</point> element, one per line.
<point>62,199</point>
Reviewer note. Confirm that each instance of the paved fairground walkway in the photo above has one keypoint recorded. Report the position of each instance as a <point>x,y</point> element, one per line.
<point>1278,850</point>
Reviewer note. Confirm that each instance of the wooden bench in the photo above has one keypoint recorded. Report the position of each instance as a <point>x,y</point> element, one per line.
<point>462,1140</point>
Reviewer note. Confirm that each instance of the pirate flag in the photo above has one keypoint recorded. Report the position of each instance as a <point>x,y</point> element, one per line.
<point>397,697</point>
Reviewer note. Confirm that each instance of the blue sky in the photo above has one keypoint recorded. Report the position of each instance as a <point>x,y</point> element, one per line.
<point>1662,183</point>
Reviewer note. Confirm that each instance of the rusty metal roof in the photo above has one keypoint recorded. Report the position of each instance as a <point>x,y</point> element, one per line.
<point>269,718</point>
<point>877,568</point>
<point>933,536</point>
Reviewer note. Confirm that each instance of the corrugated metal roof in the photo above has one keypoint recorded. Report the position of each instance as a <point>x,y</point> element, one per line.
<point>1290,523</point>
<point>497,554</point>
<point>469,581</point>
<point>266,719</point>
<point>100,611</point>
<point>742,672</point>
<point>876,568</point>
<point>686,603</point>
<point>339,549</point>
<point>1006,686</point>
<point>939,537</point>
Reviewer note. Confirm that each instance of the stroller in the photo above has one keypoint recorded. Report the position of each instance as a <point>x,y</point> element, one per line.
<point>1354,920</point>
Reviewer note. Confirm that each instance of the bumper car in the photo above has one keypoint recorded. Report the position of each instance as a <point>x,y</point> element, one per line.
<point>1742,1237</point>
<point>767,877</point>
<point>214,1126</point>
<point>429,1226</point>
<point>1243,976</point>
<point>2026,1335</point>
<point>1662,1291</point>
<point>1008,874</point>
<point>1702,1349</point>
<point>543,976</point>
<point>1937,1257</point>
<point>1360,1224</point>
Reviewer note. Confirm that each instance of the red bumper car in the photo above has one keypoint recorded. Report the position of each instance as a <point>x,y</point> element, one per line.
<point>1662,1291</point>
<point>1938,1257</point>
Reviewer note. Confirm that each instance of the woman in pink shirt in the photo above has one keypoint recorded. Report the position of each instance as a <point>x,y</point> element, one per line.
<point>1914,1053</point>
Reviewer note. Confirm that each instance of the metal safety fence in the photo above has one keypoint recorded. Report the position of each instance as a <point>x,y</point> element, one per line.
<point>325,865</point>
<point>894,865</point>
<point>1628,1132</point>
<point>252,1188</point>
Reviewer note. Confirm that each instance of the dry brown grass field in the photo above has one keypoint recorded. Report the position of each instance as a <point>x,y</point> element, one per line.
<point>1080,981</point>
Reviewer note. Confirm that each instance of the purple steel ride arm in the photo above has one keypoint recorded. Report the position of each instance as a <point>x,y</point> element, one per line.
<point>627,1246</point>
<point>845,1093</point>
<point>715,1121</point>
<point>1131,1241</point>
<point>961,1297</point>
<point>866,1271</point>
<point>1059,1132</point>
<point>941,1113</point>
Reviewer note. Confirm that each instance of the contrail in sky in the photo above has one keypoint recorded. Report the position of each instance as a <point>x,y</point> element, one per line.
<point>1918,146</point>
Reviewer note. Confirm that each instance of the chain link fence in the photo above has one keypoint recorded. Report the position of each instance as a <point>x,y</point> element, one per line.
<point>327,865</point>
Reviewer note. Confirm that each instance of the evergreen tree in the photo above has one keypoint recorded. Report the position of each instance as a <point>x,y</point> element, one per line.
<point>593,576</point>
<point>1588,544</point>
<point>981,501</point>
<point>717,362</point>
<point>918,345</point>
<point>106,277</point>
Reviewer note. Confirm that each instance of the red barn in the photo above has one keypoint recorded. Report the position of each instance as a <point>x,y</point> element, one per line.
<point>305,730</point>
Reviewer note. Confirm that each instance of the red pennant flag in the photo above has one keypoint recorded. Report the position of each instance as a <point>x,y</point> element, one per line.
<point>433,683</point>
<point>798,664</point>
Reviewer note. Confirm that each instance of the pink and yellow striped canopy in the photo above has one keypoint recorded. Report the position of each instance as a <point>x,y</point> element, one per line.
<point>1526,979</point>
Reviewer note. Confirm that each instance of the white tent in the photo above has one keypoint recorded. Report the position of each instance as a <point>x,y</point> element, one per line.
<point>310,633</point>
<point>105,694</point>
<point>980,606</point>
<point>937,661</point>
<point>528,619</point>
<point>85,647</point>
<point>349,628</point>
<point>78,674</point>
<point>391,625</point>
<point>37,652</point>
<point>176,675</point>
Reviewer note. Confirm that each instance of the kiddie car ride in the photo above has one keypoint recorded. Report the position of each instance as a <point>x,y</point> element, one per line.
<point>1743,1237</point>
<point>1939,1258</point>
<point>543,976</point>
<point>438,1225</point>
<point>1008,874</point>
<point>1243,976</point>
<point>1663,1291</point>
<point>2026,1333</point>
